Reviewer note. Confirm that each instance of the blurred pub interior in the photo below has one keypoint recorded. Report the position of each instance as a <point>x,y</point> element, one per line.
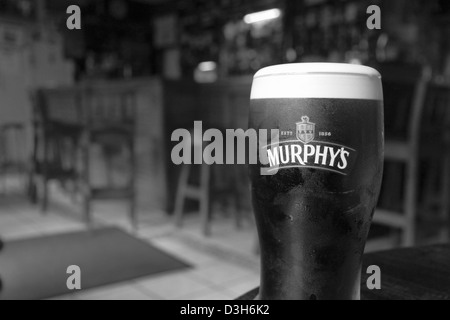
<point>86,118</point>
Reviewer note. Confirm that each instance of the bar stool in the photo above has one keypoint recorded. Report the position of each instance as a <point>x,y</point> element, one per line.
<point>213,182</point>
<point>200,192</point>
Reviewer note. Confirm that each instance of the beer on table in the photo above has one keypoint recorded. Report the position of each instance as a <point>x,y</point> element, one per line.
<point>315,192</point>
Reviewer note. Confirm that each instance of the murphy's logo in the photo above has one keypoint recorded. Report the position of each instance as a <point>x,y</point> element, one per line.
<point>310,152</point>
<point>306,130</point>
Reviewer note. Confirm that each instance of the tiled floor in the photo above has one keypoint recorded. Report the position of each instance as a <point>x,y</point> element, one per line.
<point>224,264</point>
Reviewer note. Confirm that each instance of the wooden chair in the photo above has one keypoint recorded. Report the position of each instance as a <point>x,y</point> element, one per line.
<point>435,156</point>
<point>110,125</point>
<point>404,96</point>
<point>57,129</point>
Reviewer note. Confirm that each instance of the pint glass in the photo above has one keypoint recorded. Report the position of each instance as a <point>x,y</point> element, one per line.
<point>315,187</point>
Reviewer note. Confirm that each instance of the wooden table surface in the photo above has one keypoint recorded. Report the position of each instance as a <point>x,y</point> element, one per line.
<point>421,273</point>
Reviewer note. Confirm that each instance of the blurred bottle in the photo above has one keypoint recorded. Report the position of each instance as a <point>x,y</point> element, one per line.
<point>387,49</point>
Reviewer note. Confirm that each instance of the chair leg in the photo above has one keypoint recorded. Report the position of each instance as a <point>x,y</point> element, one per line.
<point>24,166</point>
<point>45,175</point>
<point>109,170</point>
<point>44,206</point>
<point>87,193</point>
<point>409,234</point>
<point>3,182</point>
<point>74,191</point>
<point>132,186</point>
<point>32,192</point>
<point>3,160</point>
<point>205,205</point>
<point>33,189</point>
<point>87,201</point>
<point>87,210</point>
<point>237,196</point>
<point>133,214</point>
<point>180,196</point>
<point>444,234</point>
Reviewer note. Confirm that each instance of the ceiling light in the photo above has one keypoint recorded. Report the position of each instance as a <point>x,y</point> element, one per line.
<point>262,16</point>
<point>207,66</point>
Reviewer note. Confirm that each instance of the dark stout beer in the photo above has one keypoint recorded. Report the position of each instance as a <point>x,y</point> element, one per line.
<point>315,201</point>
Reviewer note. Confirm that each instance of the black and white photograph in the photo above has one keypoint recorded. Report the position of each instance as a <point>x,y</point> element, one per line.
<point>240,151</point>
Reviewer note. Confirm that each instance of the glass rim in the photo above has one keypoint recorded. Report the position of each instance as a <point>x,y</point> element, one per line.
<point>317,68</point>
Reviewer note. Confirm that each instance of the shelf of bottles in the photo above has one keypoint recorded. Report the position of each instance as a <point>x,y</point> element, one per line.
<point>214,30</point>
<point>310,30</point>
<point>199,23</point>
<point>18,9</point>
<point>324,30</point>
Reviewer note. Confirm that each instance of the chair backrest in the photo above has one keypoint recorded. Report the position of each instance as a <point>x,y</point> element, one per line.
<point>436,116</point>
<point>404,88</point>
<point>107,107</point>
<point>61,105</point>
<point>58,120</point>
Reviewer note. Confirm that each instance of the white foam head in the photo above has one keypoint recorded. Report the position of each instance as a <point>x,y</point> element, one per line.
<point>317,80</point>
